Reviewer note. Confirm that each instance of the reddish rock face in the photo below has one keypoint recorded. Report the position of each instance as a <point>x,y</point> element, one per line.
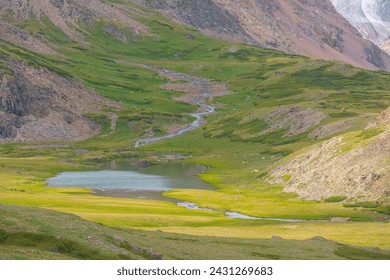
<point>312,28</point>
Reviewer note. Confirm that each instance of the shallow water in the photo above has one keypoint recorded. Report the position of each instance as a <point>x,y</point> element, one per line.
<point>234,215</point>
<point>121,179</point>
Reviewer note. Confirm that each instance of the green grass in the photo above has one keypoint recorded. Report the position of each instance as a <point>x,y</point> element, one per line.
<point>52,235</point>
<point>46,242</point>
<point>335,199</point>
<point>232,142</point>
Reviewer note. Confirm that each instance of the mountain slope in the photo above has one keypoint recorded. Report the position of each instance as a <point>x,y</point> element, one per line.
<point>311,28</point>
<point>68,15</point>
<point>39,105</point>
<point>353,166</point>
<point>370,17</point>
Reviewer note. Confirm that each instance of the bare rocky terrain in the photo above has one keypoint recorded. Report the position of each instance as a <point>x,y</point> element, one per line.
<point>39,105</point>
<point>67,15</point>
<point>294,120</point>
<point>19,37</point>
<point>311,28</point>
<point>356,168</point>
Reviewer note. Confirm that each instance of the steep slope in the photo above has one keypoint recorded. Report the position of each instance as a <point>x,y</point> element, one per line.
<point>68,15</point>
<point>39,105</point>
<point>370,17</point>
<point>311,28</point>
<point>354,165</point>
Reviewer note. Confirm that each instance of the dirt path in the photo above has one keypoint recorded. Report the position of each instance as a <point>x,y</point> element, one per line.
<point>197,91</point>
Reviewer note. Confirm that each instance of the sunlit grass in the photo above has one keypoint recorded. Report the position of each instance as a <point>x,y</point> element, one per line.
<point>359,234</point>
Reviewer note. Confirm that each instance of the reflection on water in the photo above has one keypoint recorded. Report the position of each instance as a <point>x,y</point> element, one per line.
<point>108,179</point>
<point>121,179</point>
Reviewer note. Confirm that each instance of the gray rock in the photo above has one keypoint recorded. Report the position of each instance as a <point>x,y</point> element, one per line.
<point>202,14</point>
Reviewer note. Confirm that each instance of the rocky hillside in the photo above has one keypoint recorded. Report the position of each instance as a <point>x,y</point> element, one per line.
<point>370,17</point>
<point>67,15</point>
<point>39,105</point>
<point>352,165</point>
<point>71,18</point>
<point>311,28</point>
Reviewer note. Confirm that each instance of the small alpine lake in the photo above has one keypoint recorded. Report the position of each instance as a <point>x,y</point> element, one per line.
<point>122,179</point>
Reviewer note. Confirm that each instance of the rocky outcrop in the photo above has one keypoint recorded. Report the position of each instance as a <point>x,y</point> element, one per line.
<point>70,15</point>
<point>205,15</point>
<point>19,37</point>
<point>18,96</point>
<point>312,28</point>
<point>355,166</point>
<point>293,120</point>
<point>38,105</point>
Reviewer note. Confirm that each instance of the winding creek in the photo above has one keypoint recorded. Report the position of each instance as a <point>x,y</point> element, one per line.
<point>199,118</point>
<point>202,91</point>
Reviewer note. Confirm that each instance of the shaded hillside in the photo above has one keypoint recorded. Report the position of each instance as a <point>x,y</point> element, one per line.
<point>311,28</point>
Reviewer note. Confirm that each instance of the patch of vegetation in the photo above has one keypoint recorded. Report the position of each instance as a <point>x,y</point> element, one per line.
<point>338,198</point>
<point>373,206</point>
<point>365,204</point>
<point>353,253</point>
<point>287,177</point>
<point>369,133</point>
<point>57,245</point>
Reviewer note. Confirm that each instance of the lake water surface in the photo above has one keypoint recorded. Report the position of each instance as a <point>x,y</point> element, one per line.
<point>121,179</point>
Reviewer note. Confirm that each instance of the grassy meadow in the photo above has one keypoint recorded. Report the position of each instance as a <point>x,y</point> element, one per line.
<point>235,144</point>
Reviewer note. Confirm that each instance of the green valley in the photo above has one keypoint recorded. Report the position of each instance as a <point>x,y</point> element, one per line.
<point>278,107</point>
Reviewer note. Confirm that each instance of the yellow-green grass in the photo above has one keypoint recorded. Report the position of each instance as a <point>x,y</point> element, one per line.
<point>110,211</point>
<point>52,235</point>
<point>25,189</point>
<point>268,204</point>
<point>21,184</point>
<point>371,234</point>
